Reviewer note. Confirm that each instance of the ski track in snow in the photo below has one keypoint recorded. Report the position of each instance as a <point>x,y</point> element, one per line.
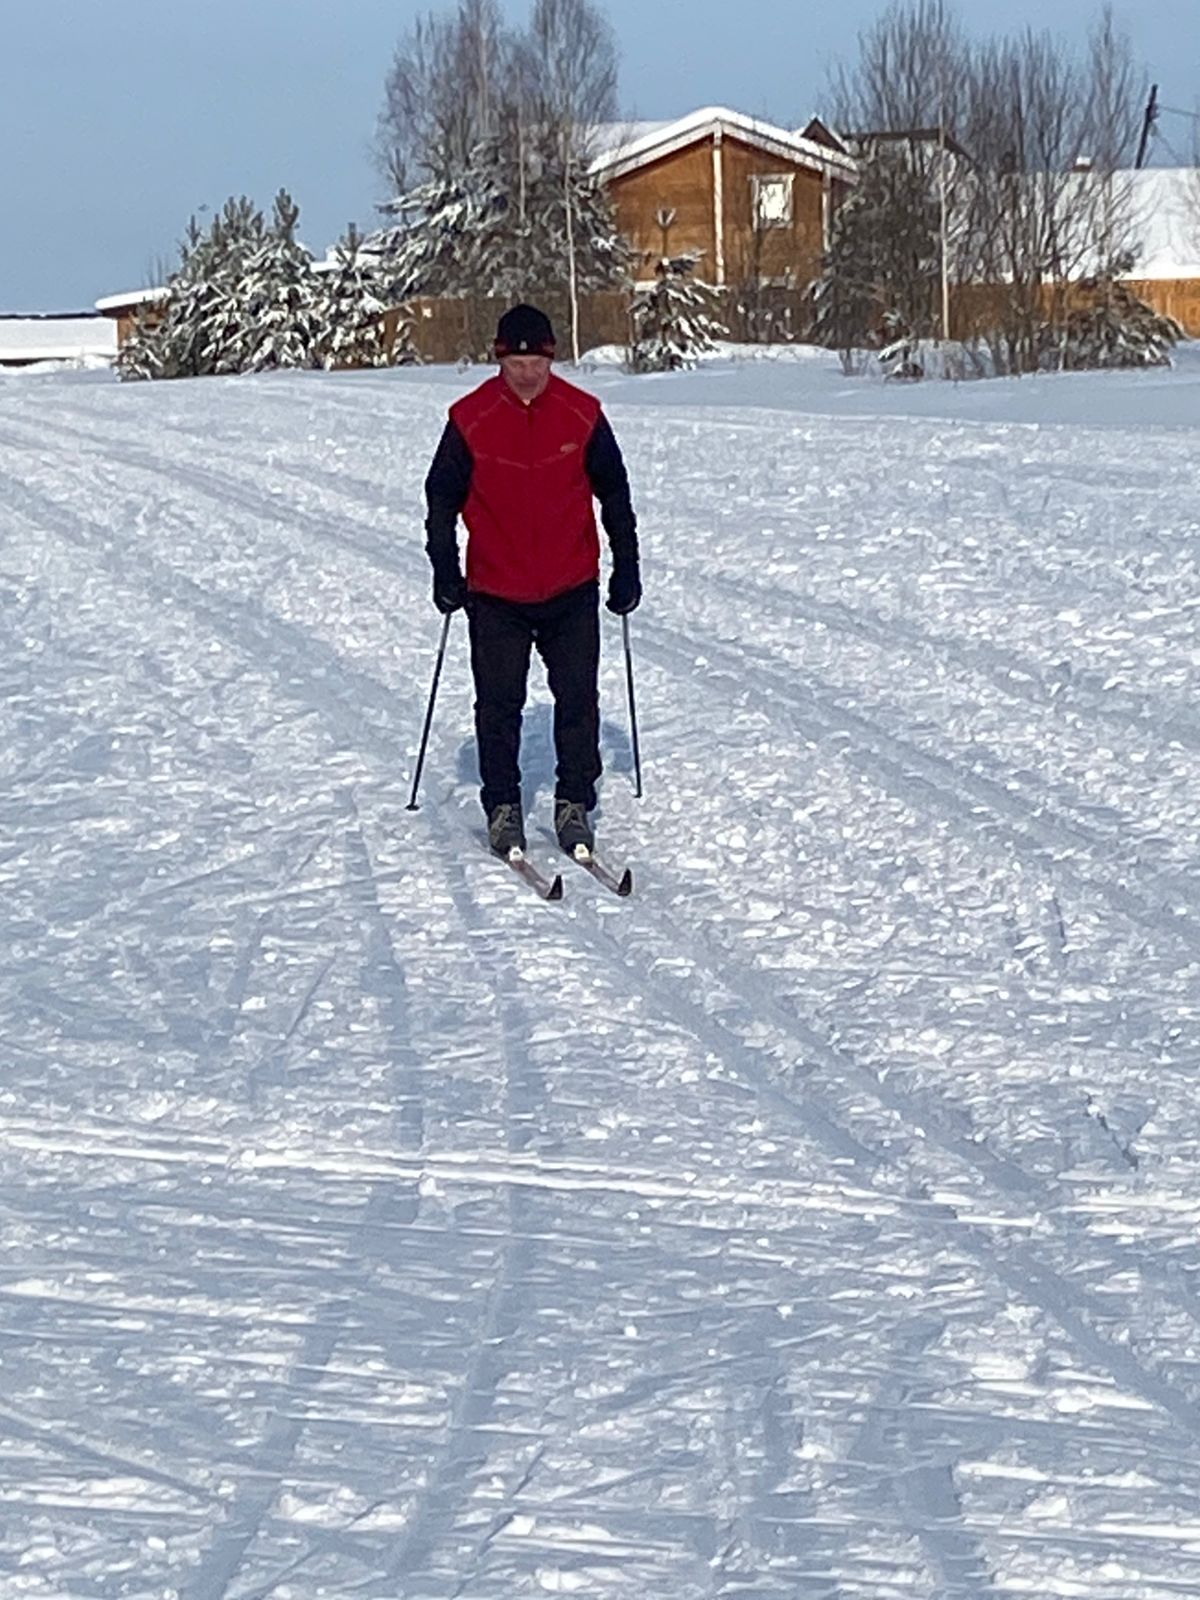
<point>822,1221</point>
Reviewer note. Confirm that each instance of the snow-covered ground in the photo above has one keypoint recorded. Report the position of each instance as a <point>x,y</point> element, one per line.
<point>822,1222</point>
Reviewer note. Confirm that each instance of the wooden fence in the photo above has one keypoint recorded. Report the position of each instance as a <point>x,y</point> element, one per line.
<point>464,329</point>
<point>976,310</point>
<point>1171,297</point>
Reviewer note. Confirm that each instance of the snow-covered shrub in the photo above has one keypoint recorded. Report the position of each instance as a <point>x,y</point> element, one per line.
<point>1115,330</point>
<point>909,358</point>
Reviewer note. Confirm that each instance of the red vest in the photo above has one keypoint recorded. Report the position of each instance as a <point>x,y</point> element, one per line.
<point>529,513</point>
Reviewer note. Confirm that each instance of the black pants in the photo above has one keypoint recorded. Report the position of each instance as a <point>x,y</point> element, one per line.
<point>566,631</point>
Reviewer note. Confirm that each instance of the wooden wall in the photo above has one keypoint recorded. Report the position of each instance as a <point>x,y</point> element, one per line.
<point>683,181</point>
<point>793,251</point>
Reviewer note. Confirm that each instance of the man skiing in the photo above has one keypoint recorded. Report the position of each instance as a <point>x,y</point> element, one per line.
<point>521,459</point>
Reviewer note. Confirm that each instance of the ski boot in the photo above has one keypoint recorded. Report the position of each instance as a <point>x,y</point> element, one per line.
<point>574,830</point>
<point>506,829</point>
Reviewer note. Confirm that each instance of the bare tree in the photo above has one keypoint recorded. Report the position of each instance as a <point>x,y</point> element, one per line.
<point>574,85</point>
<point>440,93</point>
<point>913,71</point>
<point>1021,141</point>
<point>912,89</point>
<point>1117,88</point>
<point>1050,132</point>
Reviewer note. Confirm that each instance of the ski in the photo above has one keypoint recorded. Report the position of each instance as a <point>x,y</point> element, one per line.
<point>622,885</point>
<point>543,885</point>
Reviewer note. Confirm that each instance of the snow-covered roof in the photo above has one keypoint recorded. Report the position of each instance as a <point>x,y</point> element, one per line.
<point>112,303</point>
<point>68,338</point>
<point>605,137</point>
<point>1156,214</point>
<point>1165,206</point>
<point>653,140</point>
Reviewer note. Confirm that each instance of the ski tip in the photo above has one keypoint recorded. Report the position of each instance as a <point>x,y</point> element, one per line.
<point>555,892</point>
<point>625,887</point>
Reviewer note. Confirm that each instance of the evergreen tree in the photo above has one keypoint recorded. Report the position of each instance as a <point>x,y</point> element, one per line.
<point>438,247</point>
<point>194,329</point>
<point>507,225</point>
<point>216,313</point>
<point>676,320</point>
<point>880,279</point>
<point>140,354</point>
<point>275,302</point>
<point>1115,330</point>
<point>351,310</point>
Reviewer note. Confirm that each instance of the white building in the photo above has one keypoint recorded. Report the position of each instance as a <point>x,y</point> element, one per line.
<point>79,339</point>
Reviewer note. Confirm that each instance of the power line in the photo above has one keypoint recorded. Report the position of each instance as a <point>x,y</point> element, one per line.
<point>1162,139</point>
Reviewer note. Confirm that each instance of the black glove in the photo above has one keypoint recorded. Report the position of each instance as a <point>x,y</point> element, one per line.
<point>449,590</point>
<point>624,587</point>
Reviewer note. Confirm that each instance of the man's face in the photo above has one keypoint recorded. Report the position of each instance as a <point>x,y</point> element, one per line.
<point>526,376</point>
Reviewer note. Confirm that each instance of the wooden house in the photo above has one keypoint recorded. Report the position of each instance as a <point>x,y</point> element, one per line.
<point>753,200</point>
<point>124,309</point>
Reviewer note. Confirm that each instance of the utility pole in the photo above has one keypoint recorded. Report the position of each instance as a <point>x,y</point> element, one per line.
<point>1148,122</point>
<point>572,273</point>
<point>942,225</point>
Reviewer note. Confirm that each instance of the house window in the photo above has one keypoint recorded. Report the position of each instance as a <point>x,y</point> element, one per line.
<point>773,200</point>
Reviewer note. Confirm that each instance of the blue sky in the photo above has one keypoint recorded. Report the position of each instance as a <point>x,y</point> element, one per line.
<point>119,118</point>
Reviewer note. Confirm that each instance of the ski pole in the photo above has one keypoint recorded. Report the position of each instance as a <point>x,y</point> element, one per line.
<point>637,759</point>
<point>437,672</point>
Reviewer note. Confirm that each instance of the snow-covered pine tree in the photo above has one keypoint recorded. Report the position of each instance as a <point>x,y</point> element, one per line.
<point>845,298</point>
<point>276,300</point>
<point>171,339</point>
<point>1115,330</point>
<point>439,244</point>
<point>351,308</point>
<point>676,320</point>
<point>189,333</point>
<point>217,310</point>
<point>499,227</point>
<point>601,254</point>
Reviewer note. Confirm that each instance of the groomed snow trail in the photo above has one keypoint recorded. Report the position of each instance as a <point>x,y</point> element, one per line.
<point>821,1222</point>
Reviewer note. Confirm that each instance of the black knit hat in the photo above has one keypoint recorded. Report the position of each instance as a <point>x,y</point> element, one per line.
<point>524,331</point>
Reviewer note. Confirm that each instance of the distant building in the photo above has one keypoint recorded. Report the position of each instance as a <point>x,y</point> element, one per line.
<point>76,338</point>
<point>1164,205</point>
<point>123,309</point>
<point>752,199</point>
